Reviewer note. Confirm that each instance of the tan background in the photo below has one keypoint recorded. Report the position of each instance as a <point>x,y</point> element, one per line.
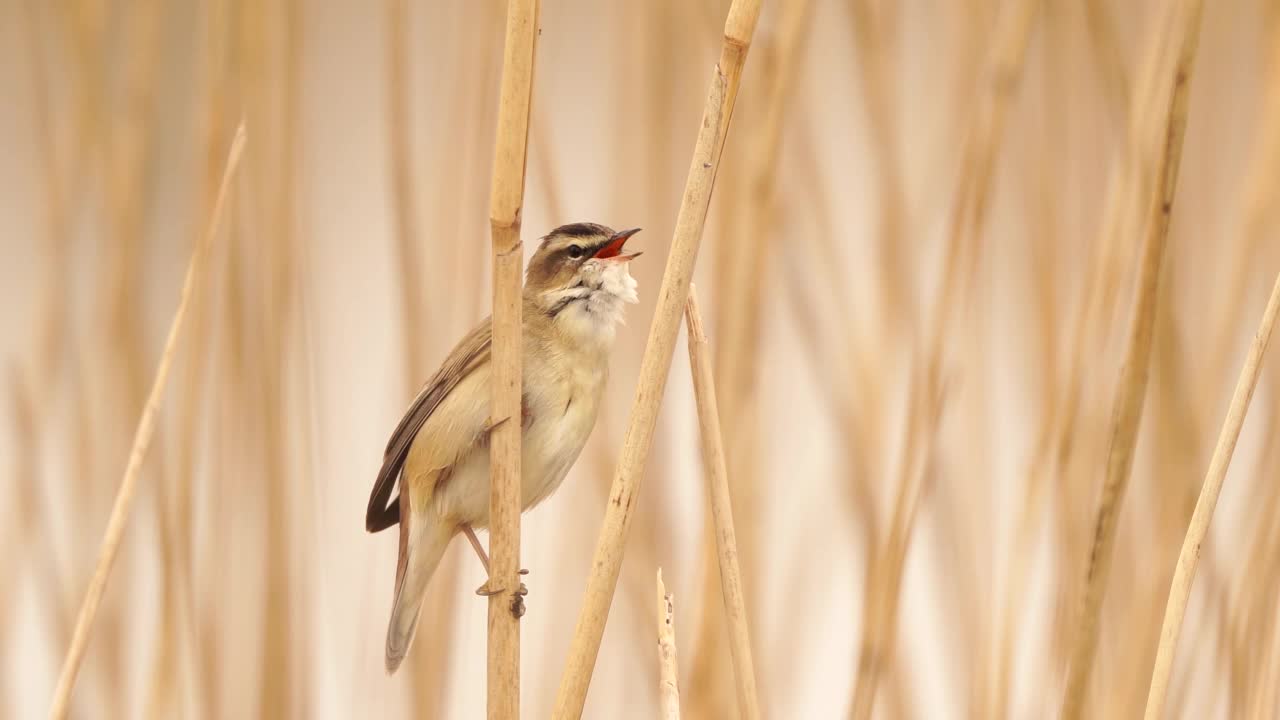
<point>302,338</point>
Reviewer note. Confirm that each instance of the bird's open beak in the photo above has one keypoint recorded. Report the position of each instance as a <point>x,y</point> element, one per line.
<point>612,250</point>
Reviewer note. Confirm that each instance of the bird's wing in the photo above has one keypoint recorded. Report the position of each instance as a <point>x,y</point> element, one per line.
<point>470,353</point>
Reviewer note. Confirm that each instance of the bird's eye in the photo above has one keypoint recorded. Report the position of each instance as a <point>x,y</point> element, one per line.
<point>575,251</point>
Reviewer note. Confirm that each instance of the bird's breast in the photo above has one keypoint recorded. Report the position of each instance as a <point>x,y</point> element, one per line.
<point>563,408</point>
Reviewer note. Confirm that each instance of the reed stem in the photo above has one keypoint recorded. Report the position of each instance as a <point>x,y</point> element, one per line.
<point>668,667</point>
<point>141,441</point>
<point>571,697</point>
<point>506,201</point>
<point>1131,389</point>
<point>1184,573</point>
<point>713,463</point>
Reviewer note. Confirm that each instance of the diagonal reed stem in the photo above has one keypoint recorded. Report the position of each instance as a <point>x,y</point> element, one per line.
<point>740,25</point>
<point>1185,572</point>
<point>713,462</point>
<point>141,441</point>
<point>1131,388</point>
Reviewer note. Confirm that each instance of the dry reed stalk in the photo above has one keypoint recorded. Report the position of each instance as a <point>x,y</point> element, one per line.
<point>127,158</point>
<point>601,454</point>
<point>1121,219</point>
<point>1257,587</point>
<point>1068,461</point>
<point>1176,450</point>
<point>1256,191</point>
<point>713,462</point>
<point>1249,621</point>
<point>713,688</point>
<point>669,670</point>
<point>507,197</point>
<point>925,401</point>
<point>1131,388</point>
<point>639,37</point>
<point>146,427</point>
<point>739,357</point>
<point>177,522</point>
<point>656,363</point>
<point>1180,590</point>
<point>746,256</point>
<point>1141,577</point>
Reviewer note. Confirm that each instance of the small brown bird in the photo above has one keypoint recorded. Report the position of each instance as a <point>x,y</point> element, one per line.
<point>575,288</point>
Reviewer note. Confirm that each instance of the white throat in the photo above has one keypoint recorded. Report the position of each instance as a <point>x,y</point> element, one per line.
<point>592,309</point>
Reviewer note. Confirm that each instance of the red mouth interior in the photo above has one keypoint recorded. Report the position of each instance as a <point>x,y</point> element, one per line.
<point>612,249</point>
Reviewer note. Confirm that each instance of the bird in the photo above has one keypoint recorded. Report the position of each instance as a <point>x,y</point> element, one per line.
<point>576,287</point>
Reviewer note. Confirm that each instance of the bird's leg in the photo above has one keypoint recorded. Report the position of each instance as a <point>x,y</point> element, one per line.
<point>475,543</point>
<point>484,590</point>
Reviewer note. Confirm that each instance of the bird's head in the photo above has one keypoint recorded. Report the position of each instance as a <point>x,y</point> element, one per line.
<point>580,277</point>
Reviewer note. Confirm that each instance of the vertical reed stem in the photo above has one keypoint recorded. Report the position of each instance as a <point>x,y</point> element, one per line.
<point>668,667</point>
<point>506,200</point>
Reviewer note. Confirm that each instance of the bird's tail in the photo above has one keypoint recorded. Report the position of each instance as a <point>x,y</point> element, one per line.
<point>423,540</point>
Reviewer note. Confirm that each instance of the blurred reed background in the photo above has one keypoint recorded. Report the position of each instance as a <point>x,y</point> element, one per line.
<point>919,270</point>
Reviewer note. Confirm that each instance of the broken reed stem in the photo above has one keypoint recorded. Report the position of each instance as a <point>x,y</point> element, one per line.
<point>668,668</point>
<point>506,200</point>
<point>713,463</point>
<point>740,25</point>
<point>141,441</point>
<point>1184,573</point>
<point>1132,385</point>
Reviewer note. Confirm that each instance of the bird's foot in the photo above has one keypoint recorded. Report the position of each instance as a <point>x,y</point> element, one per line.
<point>517,598</point>
<point>486,591</point>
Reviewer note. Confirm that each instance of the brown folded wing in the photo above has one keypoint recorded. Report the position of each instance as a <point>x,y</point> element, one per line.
<point>469,354</point>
